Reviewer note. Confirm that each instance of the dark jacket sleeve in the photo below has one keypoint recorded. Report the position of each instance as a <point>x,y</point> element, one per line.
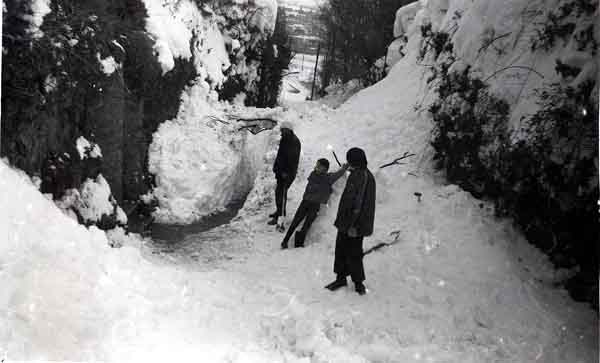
<point>333,177</point>
<point>279,157</point>
<point>293,157</point>
<point>366,219</point>
<point>352,201</point>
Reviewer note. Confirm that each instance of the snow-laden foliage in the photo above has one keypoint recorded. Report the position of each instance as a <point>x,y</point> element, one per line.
<point>548,158</point>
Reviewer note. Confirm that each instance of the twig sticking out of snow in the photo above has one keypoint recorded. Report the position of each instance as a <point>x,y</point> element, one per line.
<point>418,195</point>
<point>397,160</point>
<point>380,245</point>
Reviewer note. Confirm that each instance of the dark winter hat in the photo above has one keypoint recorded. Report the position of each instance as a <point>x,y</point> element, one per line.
<point>356,157</point>
<point>324,162</point>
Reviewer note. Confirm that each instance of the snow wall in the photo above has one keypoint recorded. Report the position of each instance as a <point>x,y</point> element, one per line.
<point>202,164</point>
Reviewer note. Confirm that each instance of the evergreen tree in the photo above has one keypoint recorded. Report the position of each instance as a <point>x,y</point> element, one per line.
<point>358,33</point>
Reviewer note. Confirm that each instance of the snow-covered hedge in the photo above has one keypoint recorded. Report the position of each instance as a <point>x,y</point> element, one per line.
<point>514,111</point>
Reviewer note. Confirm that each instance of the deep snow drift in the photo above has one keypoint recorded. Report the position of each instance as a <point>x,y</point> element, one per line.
<point>200,164</point>
<point>459,285</point>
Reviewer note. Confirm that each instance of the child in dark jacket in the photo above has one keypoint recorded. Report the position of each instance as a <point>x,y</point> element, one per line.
<point>317,192</point>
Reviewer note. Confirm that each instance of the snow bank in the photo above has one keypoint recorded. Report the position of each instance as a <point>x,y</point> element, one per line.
<point>67,296</point>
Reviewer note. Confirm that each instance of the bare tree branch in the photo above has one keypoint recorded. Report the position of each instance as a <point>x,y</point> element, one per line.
<point>397,160</point>
<point>509,67</point>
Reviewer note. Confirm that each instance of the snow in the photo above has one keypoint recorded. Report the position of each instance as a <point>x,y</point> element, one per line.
<point>211,56</point>
<point>95,199</point>
<point>404,18</point>
<point>108,64</point>
<point>118,45</point>
<point>50,83</point>
<point>459,286</point>
<point>39,9</point>
<point>87,149</point>
<point>200,164</point>
<point>172,35</point>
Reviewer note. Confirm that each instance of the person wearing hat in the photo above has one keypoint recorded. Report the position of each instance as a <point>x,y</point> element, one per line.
<point>285,167</point>
<point>354,221</point>
<point>317,192</point>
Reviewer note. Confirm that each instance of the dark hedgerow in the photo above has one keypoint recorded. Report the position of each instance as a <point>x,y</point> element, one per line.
<point>543,175</point>
<point>470,131</point>
<point>554,182</point>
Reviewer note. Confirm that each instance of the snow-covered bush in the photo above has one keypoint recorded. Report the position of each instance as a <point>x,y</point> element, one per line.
<point>470,131</point>
<point>561,23</point>
<point>542,172</point>
<point>436,41</point>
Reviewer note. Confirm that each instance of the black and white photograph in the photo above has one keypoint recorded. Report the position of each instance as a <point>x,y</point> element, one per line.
<point>300,181</point>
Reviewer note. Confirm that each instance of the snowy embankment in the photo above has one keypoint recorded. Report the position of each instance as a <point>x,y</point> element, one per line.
<point>458,286</point>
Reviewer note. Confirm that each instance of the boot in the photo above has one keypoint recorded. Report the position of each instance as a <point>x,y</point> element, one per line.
<point>284,244</point>
<point>272,222</point>
<point>274,214</point>
<point>360,288</point>
<point>299,239</point>
<point>339,282</point>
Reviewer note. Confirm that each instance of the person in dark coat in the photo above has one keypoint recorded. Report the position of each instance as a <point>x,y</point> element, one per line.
<point>285,167</point>
<point>354,221</point>
<point>317,192</point>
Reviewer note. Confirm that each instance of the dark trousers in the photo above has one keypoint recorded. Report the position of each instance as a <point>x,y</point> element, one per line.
<point>281,194</point>
<point>308,210</point>
<point>349,257</point>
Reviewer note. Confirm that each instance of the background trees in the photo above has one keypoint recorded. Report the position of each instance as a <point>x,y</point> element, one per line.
<point>357,35</point>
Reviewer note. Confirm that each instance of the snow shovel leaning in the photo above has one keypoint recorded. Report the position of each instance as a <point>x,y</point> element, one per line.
<point>281,219</point>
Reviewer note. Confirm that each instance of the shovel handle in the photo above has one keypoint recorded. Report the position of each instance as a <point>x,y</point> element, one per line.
<point>336,158</point>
